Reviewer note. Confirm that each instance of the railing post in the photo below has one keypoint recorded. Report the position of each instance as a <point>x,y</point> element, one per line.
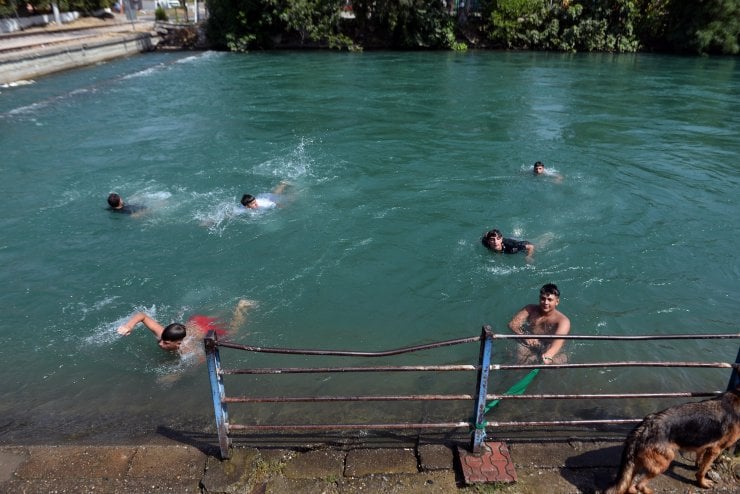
<point>218,392</point>
<point>486,345</point>
<point>734,377</point>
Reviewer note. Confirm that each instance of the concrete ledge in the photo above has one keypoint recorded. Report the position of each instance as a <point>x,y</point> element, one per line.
<point>362,462</point>
<point>43,61</point>
<point>318,464</point>
<point>562,467</point>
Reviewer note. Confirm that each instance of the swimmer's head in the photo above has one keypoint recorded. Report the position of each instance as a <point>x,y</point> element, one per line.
<point>249,201</point>
<point>172,336</point>
<point>492,238</point>
<point>538,168</point>
<point>550,289</point>
<point>115,201</point>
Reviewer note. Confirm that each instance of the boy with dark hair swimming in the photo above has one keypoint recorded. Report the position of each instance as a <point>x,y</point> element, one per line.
<point>184,338</point>
<point>539,169</point>
<point>116,205</point>
<point>265,201</point>
<point>494,240</point>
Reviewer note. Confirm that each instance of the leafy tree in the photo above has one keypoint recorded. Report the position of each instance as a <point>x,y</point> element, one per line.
<point>314,20</point>
<point>405,24</point>
<point>703,26</point>
<point>240,25</point>
<point>514,23</point>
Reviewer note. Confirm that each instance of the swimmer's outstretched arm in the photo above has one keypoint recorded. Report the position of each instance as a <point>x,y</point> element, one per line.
<point>153,326</point>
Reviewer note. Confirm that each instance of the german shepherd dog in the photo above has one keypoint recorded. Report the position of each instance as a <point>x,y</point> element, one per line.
<point>705,427</point>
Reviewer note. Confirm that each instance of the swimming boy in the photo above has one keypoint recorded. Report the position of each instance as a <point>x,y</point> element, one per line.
<point>544,319</point>
<point>264,201</point>
<point>494,240</point>
<point>185,338</point>
<point>116,205</point>
<point>539,169</point>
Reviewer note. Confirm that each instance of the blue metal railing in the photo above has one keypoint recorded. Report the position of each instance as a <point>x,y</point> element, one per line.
<point>477,423</point>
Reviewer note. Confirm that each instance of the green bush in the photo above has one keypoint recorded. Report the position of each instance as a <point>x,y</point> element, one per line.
<point>160,14</point>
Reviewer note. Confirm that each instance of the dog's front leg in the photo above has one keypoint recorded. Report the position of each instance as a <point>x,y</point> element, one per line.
<point>704,459</point>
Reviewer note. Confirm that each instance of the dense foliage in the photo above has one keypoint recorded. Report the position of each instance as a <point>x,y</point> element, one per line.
<point>256,24</point>
<point>700,26</point>
<point>683,26</point>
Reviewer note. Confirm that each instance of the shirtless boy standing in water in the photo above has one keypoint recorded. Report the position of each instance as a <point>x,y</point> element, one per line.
<point>542,318</point>
<point>186,338</point>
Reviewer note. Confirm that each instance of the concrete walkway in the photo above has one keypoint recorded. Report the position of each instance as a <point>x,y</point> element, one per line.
<point>557,467</point>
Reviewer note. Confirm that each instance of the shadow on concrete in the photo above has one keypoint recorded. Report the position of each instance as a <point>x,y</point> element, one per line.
<point>592,471</point>
<point>298,441</point>
<point>205,443</point>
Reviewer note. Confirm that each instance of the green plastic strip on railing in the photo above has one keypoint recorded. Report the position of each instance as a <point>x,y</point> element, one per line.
<point>517,389</point>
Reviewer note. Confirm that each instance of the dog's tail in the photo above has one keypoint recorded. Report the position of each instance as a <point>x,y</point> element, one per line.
<point>627,465</point>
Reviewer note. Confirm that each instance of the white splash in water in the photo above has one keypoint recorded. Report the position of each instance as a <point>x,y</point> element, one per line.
<point>105,333</point>
<point>293,165</point>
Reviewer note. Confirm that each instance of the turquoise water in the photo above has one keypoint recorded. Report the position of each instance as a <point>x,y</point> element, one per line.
<point>398,164</point>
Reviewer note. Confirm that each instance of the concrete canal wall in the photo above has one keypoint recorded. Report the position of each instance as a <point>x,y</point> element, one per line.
<point>30,64</point>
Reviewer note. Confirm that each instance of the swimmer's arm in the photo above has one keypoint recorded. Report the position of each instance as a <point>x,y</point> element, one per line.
<point>153,326</point>
<point>530,250</point>
<point>517,322</point>
<point>516,325</point>
<point>562,329</point>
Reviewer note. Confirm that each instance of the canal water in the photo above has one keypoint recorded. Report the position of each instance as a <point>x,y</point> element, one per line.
<point>397,164</point>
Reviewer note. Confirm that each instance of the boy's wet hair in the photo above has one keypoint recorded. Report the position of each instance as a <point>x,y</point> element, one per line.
<point>246,199</point>
<point>174,332</point>
<point>114,200</point>
<point>550,289</point>
<point>495,233</point>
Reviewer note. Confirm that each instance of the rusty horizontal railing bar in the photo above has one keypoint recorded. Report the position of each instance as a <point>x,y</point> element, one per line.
<point>719,365</point>
<point>303,399</point>
<point>607,396</point>
<point>468,367</point>
<point>563,422</point>
<point>458,341</point>
<point>343,353</point>
<point>627,338</point>
<point>394,368</point>
<point>442,425</point>
<point>308,399</point>
<point>303,427</point>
